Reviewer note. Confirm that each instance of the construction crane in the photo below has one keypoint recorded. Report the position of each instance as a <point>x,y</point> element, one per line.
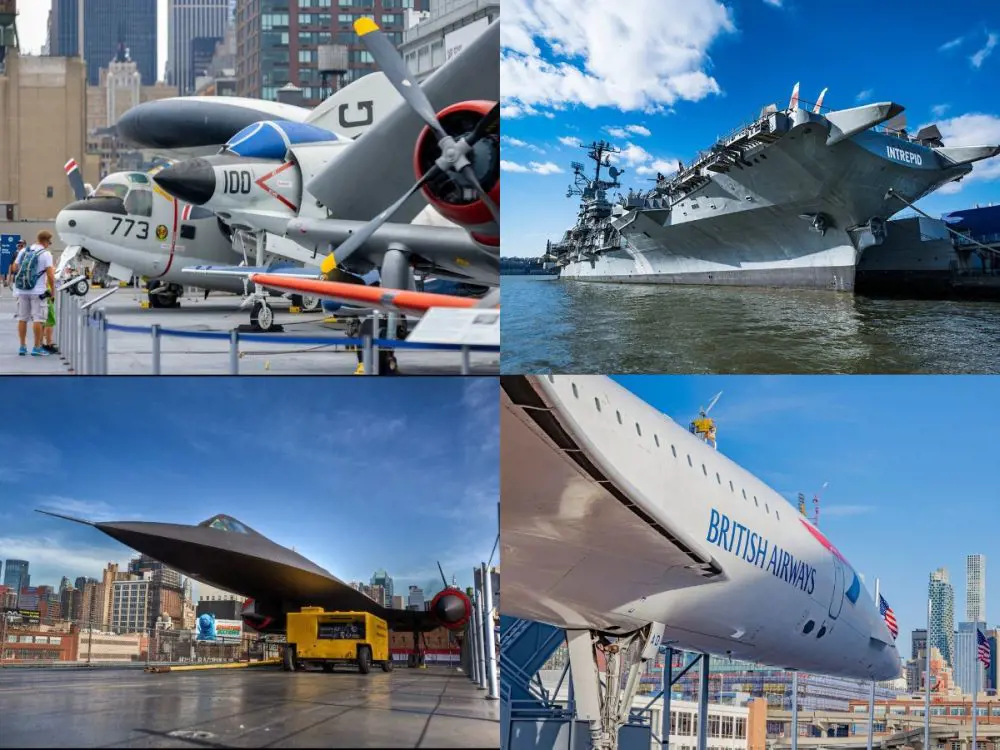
<point>816,497</point>
<point>703,425</point>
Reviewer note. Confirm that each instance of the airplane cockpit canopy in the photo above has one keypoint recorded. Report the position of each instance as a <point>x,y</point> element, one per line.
<point>134,188</point>
<point>112,186</point>
<point>271,139</point>
<point>225,523</point>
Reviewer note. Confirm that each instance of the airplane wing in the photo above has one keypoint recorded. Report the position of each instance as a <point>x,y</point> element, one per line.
<point>579,544</point>
<point>450,250</point>
<point>248,271</point>
<point>381,298</point>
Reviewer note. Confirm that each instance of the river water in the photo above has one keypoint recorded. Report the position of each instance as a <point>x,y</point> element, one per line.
<point>552,325</point>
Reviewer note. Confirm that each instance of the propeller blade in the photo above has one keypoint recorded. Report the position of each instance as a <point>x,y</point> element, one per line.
<point>359,238</point>
<point>486,125</point>
<point>75,179</point>
<point>469,173</point>
<point>441,570</point>
<point>388,59</point>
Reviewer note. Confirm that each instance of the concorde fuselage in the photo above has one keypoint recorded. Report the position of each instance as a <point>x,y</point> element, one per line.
<point>654,525</point>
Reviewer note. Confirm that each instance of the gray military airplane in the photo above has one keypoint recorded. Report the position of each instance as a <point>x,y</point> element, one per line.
<point>266,183</point>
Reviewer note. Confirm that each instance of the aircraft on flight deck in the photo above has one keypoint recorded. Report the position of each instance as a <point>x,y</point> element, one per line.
<point>617,522</point>
<point>225,553</point>
<point>458,172</point>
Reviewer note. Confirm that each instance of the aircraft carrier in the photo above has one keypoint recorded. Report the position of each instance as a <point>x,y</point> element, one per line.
<point>791,199</point>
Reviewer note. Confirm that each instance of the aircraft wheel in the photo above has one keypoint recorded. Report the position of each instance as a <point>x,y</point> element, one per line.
<point>288,661</point>
<point>387,665</point>
<point>262,316</point>
<point>353,328</point>
<point>387,364</point>
<point>364,660</point>
<point>81,288</point>
<point>403,330</point>
<point>307,303</point>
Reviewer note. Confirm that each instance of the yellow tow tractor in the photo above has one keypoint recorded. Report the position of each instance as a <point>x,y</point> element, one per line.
<point>314,636</point>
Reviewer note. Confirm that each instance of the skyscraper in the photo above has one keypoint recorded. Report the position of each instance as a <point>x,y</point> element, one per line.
<point>103,24</point>
<point>969,673</point>
<point>381,578</point>
<point>975,588</point>
<point>942,625</point>
<point>190,20</point>
<point>278,41</point>
<point>415,600</point>
<point>16,576</point>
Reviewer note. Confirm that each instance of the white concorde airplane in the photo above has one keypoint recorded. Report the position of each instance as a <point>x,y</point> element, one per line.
<point>618,522</point>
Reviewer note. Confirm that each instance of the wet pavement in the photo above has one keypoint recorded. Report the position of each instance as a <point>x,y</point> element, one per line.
<point>258,707</point>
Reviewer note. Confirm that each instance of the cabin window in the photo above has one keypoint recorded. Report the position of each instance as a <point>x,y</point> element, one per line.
<point>704,470</point>
<point>718,478</point>
<point>807,629</point>
<point>577,395</point>
<point>597,403</point>
<point>656,439</point>
<point>744,494</point>
<point>689,461</point>
<point>755,501</point>
<point>767,508</point>
<point>731,488</point>
<point>674,451</point>
<point>777,514</point>
<point>619,415</point>
<point>638,429</point>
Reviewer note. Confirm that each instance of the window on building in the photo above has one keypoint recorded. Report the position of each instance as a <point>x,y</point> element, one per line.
<point>727,726</point>
<point>713,726</point>
<point>741,728</point>
<point>49,192</point>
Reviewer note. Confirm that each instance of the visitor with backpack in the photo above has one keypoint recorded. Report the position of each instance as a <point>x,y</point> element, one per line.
<point>33,271</point>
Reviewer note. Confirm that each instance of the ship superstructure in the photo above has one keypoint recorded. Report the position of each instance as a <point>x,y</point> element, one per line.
<point>792,198</point>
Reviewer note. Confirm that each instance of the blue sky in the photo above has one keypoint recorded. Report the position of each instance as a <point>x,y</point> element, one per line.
<point>663,78</point>
<point>356,474</point>
<point>909,460</point>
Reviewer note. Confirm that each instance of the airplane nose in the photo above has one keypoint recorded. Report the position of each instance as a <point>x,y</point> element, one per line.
<point>192,181</point>
<point>451,608</point>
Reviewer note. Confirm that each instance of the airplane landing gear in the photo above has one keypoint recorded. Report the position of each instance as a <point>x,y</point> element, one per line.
<point>261,316</point>
<point>80,288</point>
<point>307,303</point>
<point>606,700</point>
<point>164,295</point>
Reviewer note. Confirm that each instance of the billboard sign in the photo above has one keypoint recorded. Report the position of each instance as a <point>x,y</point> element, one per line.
<point>228,630</point>
<point>8,249</point>
<point>460,38</point>
<point>23,616</point>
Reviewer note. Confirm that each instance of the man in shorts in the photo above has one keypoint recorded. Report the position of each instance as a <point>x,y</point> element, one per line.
<point>33,272</point>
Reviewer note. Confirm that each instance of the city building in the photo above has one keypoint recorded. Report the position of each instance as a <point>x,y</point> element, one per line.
<point>15,574</point>
<point>166,594</point>
<point>431,39</point>
<point>969,671</point>
<point>415,600</point>
<point>993,673</point>
<point>918,642</point>
<point>212,594</point>
<point>105,592</point>
<point>103,25</point>
<point>33,185</point>
<point>381,578</point>
<point>278,42</point>
<point>130,606</point>
<point>942,621</point>
<point>223,609</point>
<point>99,646</point>
<point>194,29</point>
<point>38,644</point>
<point>975,588</point>
<point>397,602</point>
<point>8,597</point>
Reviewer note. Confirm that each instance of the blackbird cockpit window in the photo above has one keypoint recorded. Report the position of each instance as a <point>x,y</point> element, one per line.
<point>225,523</point>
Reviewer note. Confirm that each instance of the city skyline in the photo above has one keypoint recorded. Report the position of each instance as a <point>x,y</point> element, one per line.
<point>663,80</point>
<point>418,457</point>
<point>893,460</point>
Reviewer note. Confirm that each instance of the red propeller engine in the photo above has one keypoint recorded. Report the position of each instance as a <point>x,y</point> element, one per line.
<point>452,608</point>
<point>456,201</point>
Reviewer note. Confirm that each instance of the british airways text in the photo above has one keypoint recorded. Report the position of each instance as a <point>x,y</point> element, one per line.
<point>753,548</point>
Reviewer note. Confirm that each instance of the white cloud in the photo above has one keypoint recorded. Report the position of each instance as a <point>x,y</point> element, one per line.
<point>542,168</point>
<point>661,166</point>
<point>52,557</point>
<point>518,143</point>
<point>633,155</point>
<point>973,129</point>
<point>864,95</point>
<point>940,109</point>
<point>991,42</point>
<point>628,130</point>
<point>638,129</point>
<point>951,45</point>
<point>642,56</point>
<point>773,3</point>
<point>568,140</point>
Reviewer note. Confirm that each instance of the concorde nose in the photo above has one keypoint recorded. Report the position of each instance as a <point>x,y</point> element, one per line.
<point>192,181</point>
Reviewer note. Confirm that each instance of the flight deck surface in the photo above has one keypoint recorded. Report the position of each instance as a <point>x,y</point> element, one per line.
<point>131,353</point>
<point>256,707</point>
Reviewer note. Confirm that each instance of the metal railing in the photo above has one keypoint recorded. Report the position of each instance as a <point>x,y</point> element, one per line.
<point>82,339</point>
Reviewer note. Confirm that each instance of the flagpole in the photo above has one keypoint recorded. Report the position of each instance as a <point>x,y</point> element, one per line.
<point>871,698</point>
<point>927,704</point>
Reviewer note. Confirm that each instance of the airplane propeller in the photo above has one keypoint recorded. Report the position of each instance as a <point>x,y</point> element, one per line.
<point>711,404</point>
<point>75,179</point>
<point>454,153</point>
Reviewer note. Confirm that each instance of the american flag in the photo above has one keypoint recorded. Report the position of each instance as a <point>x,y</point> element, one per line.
<point>983,653</point>
<point>888,616</point>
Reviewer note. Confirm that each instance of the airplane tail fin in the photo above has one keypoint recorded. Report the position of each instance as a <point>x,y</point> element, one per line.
<point>358,106</point>
<point>75,178</point>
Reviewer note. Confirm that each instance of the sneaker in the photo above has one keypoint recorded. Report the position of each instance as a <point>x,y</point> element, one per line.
<point>22,351</point>
<point>37,352</point>
<point>51,348</point>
